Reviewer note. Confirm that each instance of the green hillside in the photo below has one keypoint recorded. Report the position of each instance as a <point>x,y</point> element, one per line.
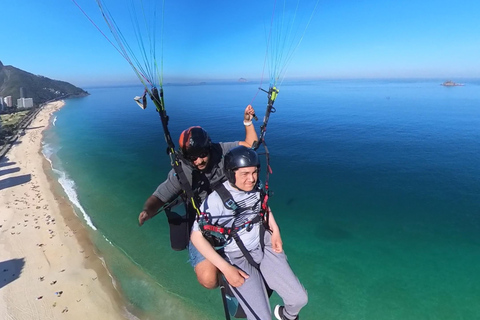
<point>39,88</point>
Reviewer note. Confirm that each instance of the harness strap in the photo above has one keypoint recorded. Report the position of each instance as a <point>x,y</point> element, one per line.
<point>229,203</point>
<point>226,197</point>
<point>188,197</point>
<point>228,231</point>
<point>182,177</point>
<point>244,250</point>
<point>157,98</point>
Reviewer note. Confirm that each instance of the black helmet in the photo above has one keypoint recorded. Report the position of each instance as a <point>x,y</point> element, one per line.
<point>194,142</point>
<point>239,157</point>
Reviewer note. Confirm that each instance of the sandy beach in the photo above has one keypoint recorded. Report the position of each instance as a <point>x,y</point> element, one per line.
<point>48,266</point>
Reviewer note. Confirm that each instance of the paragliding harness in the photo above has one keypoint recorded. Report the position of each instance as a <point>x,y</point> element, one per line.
<point>220,236</point>
<point>180,225</point>
<point>226,234</point>
<point>230,303</point>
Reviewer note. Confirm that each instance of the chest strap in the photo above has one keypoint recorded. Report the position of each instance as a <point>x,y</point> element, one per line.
<point>232,232</point>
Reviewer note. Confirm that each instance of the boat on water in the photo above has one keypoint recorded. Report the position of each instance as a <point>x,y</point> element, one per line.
<point>452,84</point>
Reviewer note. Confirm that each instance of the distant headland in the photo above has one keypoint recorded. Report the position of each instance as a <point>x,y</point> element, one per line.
<point>452,84</point>
<point>17,83</point>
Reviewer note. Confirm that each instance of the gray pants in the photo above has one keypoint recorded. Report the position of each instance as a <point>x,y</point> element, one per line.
<point>276,271</point>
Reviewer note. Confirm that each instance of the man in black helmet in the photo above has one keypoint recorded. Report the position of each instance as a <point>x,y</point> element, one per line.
<point>256,255</point>
<point>202,162</point>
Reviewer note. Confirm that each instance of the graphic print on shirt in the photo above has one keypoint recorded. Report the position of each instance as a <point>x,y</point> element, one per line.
<point>250,206</point>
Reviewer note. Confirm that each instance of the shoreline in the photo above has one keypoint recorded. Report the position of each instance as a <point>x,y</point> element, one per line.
<point>48,265</point>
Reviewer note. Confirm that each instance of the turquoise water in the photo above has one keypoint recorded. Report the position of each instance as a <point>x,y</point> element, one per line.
<point>375,185</point>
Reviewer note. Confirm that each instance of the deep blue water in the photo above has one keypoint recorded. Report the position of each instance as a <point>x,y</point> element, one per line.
<point>375,183</point>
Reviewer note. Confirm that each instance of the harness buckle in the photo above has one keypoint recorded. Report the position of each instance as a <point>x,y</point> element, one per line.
<point>231,204</point>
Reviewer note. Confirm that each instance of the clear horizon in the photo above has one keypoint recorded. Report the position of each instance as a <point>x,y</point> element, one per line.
<point>133,81</point>
<point>187,82</point>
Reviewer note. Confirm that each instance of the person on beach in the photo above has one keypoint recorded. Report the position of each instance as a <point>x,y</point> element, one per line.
<point>255,258</point>
<point>202,163</point>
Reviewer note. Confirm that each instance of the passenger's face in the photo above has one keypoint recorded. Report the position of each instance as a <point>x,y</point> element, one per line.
<point>246,178</point>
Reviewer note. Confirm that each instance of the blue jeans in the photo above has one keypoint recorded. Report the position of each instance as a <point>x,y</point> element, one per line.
<point>194,256</point>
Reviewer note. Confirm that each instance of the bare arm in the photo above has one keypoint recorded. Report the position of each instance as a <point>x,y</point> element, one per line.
<point>277,244</point>
<point>234,276</point>
<point>150,209</point>
<point>250,133</point>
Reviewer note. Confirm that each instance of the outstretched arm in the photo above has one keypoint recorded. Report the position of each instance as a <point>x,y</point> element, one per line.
<point>250,133</point>
<point>234,276</point>
<point>150,209</point>
<point>277,244</point>
<point>169,190</point>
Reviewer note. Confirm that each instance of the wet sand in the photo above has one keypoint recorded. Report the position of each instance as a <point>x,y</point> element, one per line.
<point>48,265</point>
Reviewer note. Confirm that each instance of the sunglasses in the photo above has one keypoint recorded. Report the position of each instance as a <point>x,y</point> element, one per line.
<point>195,157</point>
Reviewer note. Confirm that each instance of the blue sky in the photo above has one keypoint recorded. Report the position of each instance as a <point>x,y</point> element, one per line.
<point>216,40</point>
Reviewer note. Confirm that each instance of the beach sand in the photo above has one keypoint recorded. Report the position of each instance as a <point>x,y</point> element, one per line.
<point>48,266</point>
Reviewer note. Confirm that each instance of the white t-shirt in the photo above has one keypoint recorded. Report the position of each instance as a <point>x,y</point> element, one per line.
<point>221,216</point>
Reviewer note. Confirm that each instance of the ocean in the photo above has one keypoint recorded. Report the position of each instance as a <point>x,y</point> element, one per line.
<point>375,185</point>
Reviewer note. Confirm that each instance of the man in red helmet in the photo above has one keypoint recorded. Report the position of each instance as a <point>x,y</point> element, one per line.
<point>202,163</point>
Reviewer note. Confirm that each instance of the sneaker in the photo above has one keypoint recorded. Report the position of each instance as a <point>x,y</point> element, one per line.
<point>278,312</point>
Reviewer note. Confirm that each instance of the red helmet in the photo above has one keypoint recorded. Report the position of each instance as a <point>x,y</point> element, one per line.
<point>194,142</point>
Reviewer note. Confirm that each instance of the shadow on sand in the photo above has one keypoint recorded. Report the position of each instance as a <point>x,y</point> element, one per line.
<point>14,181</point>
<point>33,128</point>
<point>7,164</point>
<point>7,171</point>
<point>10,270</point>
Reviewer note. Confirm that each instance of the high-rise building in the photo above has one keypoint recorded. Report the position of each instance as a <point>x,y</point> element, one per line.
<point>24,103</point>
<point>8,101</point>
<point>22,92</point>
